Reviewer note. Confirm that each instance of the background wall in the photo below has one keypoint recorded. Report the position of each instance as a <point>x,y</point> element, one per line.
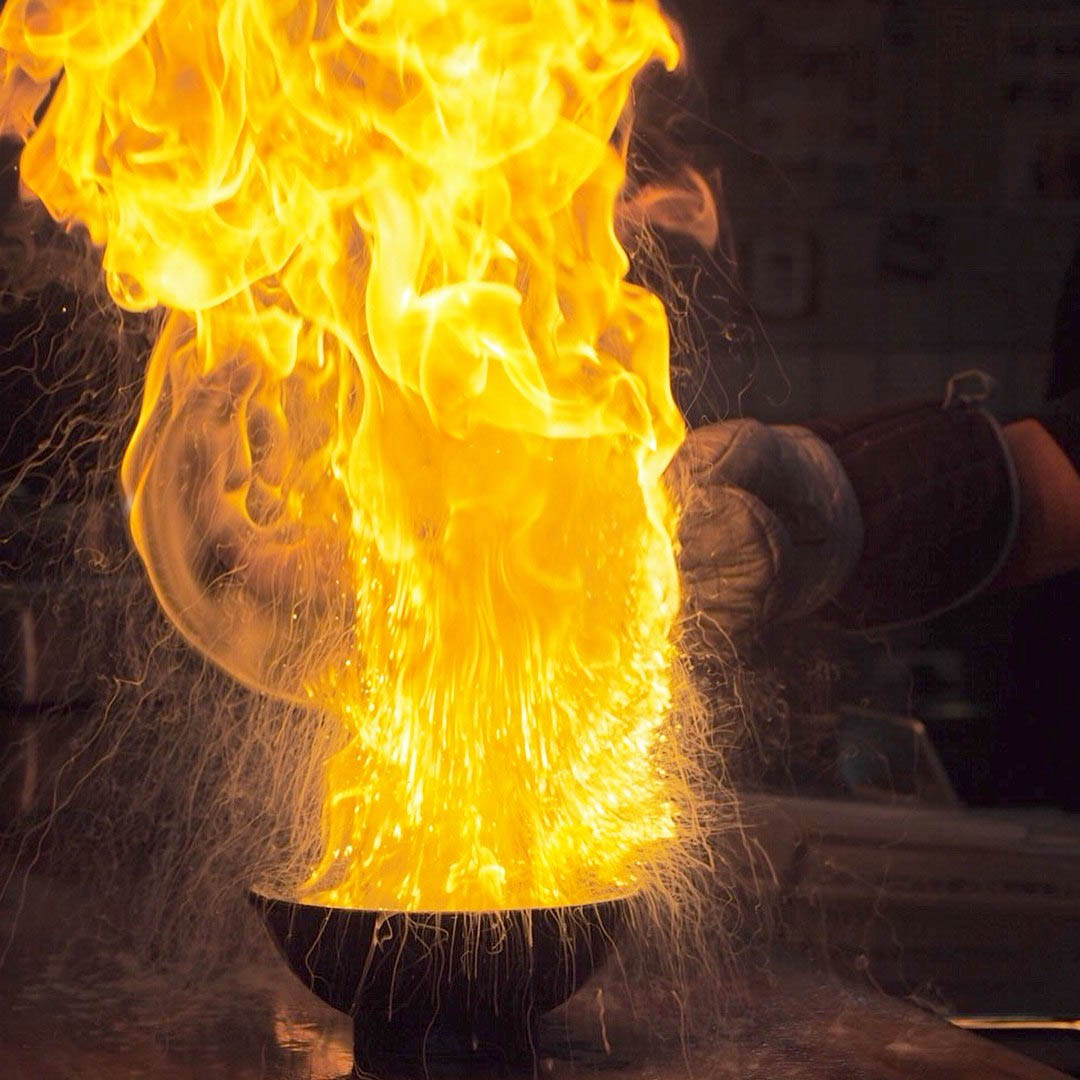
<point>903,184</point>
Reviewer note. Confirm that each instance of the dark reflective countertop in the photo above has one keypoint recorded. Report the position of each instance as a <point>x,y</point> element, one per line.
<point>790,1023</point>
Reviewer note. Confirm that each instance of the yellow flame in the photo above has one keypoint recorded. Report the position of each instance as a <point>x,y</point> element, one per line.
<point>403,433</point>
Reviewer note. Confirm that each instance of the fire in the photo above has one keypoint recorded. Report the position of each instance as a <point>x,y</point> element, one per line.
<point>401,447</point>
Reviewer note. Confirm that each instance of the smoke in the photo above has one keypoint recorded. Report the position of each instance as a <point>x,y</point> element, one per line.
<point>145,789</point>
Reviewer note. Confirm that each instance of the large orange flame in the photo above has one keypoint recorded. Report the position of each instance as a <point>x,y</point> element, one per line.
<point>402,438</point>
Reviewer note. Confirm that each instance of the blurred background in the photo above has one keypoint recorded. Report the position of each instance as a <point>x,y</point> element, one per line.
<point>902,179</point>
<point>901,187</point>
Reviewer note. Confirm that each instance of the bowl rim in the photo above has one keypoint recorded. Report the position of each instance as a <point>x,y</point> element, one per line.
<point>263,894</point>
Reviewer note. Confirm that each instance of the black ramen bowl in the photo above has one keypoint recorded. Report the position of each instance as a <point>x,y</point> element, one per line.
<point>424,987</point>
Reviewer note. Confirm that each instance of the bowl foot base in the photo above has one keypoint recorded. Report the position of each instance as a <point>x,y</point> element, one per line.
<point>380,1047</point>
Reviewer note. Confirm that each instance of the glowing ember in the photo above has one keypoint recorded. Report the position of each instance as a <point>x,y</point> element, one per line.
<point>403,433</point>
